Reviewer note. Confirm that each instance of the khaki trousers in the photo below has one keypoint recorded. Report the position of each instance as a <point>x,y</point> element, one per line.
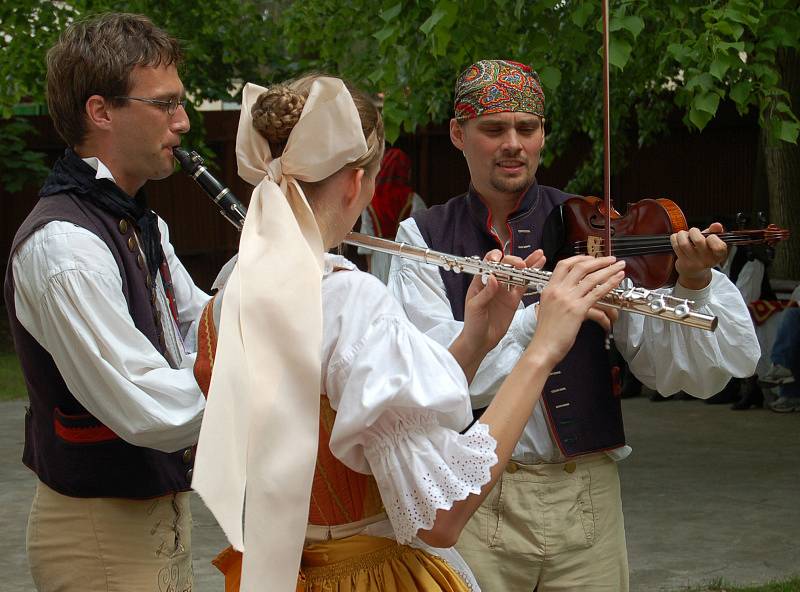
<point>552,528</point>
<point>108,544</point>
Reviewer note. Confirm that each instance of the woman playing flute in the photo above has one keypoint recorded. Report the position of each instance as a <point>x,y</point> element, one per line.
<point>348,432</point>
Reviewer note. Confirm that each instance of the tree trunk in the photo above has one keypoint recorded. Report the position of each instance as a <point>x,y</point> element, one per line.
<point>783,177</point>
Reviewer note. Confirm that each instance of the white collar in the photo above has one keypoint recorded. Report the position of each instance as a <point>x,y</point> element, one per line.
<point>102,170</point>
<point>334,262</point>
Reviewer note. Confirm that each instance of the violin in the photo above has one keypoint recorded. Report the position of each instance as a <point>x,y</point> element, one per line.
<point>642,236</point>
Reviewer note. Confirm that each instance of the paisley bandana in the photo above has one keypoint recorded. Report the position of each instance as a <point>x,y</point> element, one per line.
<point>497,86</point>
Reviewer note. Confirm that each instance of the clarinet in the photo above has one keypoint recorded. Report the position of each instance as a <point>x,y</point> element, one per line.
<point>627,298</point>
<point>229,205</point>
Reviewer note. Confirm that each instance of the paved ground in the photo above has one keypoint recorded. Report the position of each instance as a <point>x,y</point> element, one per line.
<point>708,493</point>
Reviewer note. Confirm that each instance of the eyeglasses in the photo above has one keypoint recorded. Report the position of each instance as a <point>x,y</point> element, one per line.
<point>170,106</point>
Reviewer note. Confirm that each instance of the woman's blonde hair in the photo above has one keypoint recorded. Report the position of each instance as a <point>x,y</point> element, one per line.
<point>278,109</point>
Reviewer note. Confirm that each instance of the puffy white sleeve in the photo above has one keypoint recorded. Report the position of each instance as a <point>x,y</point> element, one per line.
<point>421,292</point>
<point>401,401</point>
<point>68,296</point>
<point>670,357</point>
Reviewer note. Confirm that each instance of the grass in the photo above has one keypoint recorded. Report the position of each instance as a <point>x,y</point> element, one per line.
<point>790,585</point>
<point>12,386</point>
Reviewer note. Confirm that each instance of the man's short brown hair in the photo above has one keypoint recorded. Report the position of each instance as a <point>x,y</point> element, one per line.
<point>96,57</point>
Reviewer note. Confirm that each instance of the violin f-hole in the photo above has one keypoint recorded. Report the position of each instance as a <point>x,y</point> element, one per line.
<point>599,222</point>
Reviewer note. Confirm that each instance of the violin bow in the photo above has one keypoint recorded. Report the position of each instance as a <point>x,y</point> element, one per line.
<point>606,129</point>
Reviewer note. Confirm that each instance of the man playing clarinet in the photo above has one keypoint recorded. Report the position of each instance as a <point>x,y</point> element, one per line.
<point>554,521</point>
<point>103,318</point>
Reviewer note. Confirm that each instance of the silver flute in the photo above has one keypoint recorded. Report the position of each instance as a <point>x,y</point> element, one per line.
<point>628,298</point>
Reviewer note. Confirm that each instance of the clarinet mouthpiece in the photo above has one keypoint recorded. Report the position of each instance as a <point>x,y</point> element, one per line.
<point>183,157</point>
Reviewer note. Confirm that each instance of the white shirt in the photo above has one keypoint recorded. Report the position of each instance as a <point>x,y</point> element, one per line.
<point>750,276</point>
<point>401,400</point>
<point>667,357</point>
<point>68,296</point>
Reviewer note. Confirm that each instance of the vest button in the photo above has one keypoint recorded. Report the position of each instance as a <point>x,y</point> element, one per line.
<point>123,226</point>
<point>189,475</point>
<point>132,244</point>
<point>148,281</point>
<point>140,261</point>
<point>512,467</point>
<point>570,467</point>
<point>187,455</point>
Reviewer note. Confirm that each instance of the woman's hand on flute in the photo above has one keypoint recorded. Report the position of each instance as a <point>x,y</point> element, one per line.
<point>568,299</point>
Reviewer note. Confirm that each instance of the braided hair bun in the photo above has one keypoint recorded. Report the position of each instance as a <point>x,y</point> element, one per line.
<point>275,113</point>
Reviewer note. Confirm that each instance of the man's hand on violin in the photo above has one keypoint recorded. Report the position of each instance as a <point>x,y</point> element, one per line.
<point>697,254</point>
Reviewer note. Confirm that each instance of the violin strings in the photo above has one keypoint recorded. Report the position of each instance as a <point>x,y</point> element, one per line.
<point>664,238</point>
<point>648,244</point>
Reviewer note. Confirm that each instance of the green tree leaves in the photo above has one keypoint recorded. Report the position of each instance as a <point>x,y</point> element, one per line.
<point>663,52</point>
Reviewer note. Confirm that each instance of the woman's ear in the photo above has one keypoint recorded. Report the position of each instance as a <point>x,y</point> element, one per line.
<point>352,186</point>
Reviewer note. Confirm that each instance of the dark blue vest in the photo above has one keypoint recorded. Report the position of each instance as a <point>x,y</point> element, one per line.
<point>69,449</point>
<point>582,411</point>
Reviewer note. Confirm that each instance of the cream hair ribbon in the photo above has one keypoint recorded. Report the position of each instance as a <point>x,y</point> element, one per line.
<point>259,435</point>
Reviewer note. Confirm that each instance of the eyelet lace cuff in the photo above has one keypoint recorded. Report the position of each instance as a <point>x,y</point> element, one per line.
<point>422,468</point>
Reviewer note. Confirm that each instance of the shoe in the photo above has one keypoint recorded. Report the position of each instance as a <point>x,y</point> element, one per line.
<point>786,405</point>
<point>777,374</point>
<point>631,387</point>
<point>729,394</point>
<point>751,396</point>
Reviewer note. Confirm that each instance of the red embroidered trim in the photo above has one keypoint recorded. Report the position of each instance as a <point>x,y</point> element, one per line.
<point>87,435</point>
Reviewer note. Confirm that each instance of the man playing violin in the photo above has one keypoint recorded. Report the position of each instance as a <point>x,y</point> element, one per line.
<point>554,521</point>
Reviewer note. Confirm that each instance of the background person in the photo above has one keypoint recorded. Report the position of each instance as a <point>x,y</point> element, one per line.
<point>393,202</point>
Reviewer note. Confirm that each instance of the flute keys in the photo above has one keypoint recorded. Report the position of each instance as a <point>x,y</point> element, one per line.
<point>682,310</point>
<point>658,305</point>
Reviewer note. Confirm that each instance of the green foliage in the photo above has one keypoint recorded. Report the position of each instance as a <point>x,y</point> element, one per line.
<point>224,42</point>
<point>663,53</point>
<point>20,165</point>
